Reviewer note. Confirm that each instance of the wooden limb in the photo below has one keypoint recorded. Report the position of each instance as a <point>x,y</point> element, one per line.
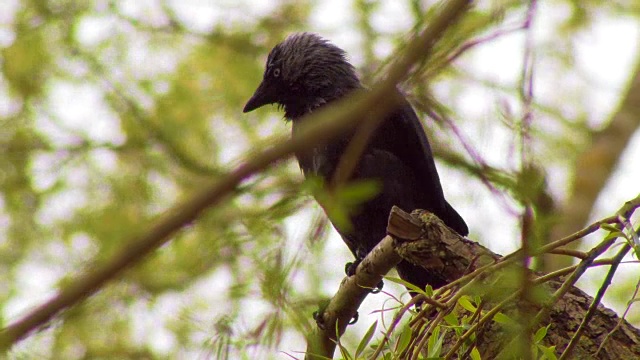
<point>443,251</point>
<point>333,321</point>
<point>594,304</point>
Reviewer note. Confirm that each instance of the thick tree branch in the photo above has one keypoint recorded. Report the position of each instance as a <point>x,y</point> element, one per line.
<point>450,256</point>
<point>424,240</point>
<point>594,304</point>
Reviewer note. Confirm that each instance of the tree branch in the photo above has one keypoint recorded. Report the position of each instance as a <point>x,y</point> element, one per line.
<point>564,311</point>
<point>324,125</point>
<point>321,127</point>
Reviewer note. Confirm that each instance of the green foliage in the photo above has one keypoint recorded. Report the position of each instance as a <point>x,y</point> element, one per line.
<point>25,63</point>
<point>366,339</point>
<point>343,200</point>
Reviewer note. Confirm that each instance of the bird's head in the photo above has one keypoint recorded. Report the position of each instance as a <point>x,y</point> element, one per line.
<point>302,73</point>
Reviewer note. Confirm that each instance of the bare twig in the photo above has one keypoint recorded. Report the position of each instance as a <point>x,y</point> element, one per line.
<point>569,252</point>
<point>396,320</point>
<point>619,323</point>
<point>571,280</point>
<point>596,301</point>
<point>488,316</point>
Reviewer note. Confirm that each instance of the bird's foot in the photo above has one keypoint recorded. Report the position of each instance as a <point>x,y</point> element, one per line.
<point>350,267</point>
<point>350,270</point>
<point>354,319</point>
<point>318,316</point>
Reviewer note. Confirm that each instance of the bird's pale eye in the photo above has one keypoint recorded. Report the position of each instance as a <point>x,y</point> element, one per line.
<point>276,72</point>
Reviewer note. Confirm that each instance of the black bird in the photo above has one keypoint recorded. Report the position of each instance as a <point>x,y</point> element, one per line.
<point>306,72</point>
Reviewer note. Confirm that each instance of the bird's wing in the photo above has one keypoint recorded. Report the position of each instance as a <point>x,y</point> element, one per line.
<point>403,135</point>
<point>407,139</point>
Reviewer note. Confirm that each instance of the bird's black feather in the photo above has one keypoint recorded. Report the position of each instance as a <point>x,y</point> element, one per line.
<point>305,72</point>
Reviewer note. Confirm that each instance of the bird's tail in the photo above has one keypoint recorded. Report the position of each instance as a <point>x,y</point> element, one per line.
<point>453,220</point>
<point>419,276</point>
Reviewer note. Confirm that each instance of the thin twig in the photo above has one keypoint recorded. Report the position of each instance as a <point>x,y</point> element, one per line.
<point>488,316</point>
<point>569,252</point>
<point>427,333</point>
<point>571,280</point>
<point>596,301</point>
<point>619,323</point>
<point>483,39</point>
<point>396,320</point>
<point>567,270</point>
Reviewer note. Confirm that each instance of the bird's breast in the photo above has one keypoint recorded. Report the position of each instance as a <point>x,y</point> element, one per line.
<point>317,161</point>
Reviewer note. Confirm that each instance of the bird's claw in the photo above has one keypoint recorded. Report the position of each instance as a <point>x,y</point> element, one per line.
<point>350,270</point>
<point>319,318</point>
<point>350,267</point>
<point>354,319</point>
<point>378,287</point>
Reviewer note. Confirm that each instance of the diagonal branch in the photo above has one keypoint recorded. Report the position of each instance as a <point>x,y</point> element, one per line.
<point>325,124</point>
<point>457,256</point>
<point>321,127</point>
<point>594,304</point>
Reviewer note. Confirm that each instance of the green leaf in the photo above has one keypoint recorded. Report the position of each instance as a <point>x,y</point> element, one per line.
<point>466,303</point>
<point>609,227</point>
<point>451,319</point>
<point>540,334</point>
<point>475,354</point>
<point>358,192</point>
<point>344,352</point>
<point>408,285</point>
<point>428,290</point>
<point>549,352</point>
<point>366,339</point>
<point>614,235</point>
<point>435,343</point>
<point>501,318</point>
<point>403,339</point>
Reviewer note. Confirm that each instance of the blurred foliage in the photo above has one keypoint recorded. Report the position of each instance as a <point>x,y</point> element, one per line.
<point>112,111</point>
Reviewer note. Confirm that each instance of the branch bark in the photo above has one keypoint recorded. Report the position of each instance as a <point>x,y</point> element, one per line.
<point>452,257</point>
<point>422,238</point>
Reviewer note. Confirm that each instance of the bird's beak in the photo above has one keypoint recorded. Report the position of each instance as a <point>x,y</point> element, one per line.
<point>265,94</point>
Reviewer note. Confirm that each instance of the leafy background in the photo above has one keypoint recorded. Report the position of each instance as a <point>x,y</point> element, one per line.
<point>112,111</point>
